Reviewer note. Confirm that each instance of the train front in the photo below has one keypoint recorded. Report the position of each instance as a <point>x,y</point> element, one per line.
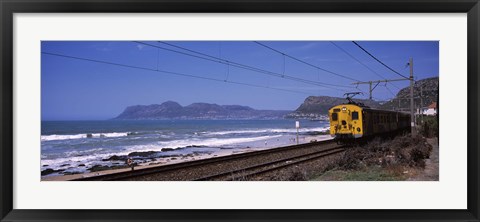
<point>346,122</point>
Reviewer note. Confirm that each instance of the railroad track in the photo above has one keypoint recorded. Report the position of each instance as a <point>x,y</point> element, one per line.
<point>252,171</point>
<point>185,169</point>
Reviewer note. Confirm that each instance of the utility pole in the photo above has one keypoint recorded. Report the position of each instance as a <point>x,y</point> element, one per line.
<point>421,103</point>
<point>412,115</point>
<point>412,108</point>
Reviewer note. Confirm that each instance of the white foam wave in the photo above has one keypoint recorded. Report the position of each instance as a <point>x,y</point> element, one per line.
<point>73,161</point>
<point>302,130</point>
<point>82,152</point>
<point>90,160</point>
<point>81,136</point>
<point>212,142</point>
<point>94,156</point>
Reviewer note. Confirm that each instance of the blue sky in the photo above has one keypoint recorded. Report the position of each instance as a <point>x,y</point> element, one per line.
<point>76,89</point>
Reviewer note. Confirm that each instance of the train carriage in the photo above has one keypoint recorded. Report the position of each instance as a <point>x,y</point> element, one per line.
<point>353,121</point>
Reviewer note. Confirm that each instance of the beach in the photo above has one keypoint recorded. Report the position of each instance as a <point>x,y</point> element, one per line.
<point>259,145</point>
<point>72,149</point>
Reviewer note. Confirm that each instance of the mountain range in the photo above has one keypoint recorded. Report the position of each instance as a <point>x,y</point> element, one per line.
<point>173,110</point>
<point>426,89</point>
<point>312,107</point>
<point>425,92</point>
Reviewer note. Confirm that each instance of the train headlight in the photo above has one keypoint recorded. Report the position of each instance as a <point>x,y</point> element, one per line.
<point>344,108</point>
<point>358,129</point>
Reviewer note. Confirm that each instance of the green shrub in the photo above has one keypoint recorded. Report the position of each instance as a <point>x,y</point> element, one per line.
<point>429,127</point>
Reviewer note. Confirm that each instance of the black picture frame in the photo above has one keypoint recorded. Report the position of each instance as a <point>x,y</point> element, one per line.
<point>9,7</point>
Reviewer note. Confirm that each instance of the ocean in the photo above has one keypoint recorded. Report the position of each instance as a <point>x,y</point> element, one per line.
<point>70,147</point>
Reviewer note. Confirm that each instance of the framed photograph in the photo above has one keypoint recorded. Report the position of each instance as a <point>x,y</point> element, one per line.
<point>255,111</point>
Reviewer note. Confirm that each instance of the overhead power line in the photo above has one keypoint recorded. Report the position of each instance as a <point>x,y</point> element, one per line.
<point>306,63</point>
<point>361,63</point>
<point>170,72</point>
<point>251,68</point>
<point>370,83</point>
<point>393,94</point>
<point>388,67</point>
<point>242,66</point>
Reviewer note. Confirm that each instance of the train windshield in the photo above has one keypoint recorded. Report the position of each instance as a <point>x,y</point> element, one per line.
<point>334,116</point>
<point>354,115</point>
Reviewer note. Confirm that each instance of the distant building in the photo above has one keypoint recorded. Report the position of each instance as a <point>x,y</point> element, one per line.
<point>431,110</point>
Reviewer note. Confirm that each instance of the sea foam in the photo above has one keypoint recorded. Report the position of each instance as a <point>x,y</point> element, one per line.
<point>301,130</point>
<point>80,136</point>
<point>211,142</point>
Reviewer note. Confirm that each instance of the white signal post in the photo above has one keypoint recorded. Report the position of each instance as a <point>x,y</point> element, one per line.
<point>297,125</point>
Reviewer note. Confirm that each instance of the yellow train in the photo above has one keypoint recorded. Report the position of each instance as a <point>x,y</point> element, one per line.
<point>353,121</point>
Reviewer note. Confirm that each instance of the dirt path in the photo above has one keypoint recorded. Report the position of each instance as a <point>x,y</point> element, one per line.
<point>431,171</point>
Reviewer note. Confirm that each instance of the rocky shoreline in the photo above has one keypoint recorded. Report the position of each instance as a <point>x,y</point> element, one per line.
<point>139,158</point>
<point>165,156</point>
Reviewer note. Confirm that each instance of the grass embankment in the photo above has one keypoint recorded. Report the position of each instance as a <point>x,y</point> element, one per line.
<point>379,160</point>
